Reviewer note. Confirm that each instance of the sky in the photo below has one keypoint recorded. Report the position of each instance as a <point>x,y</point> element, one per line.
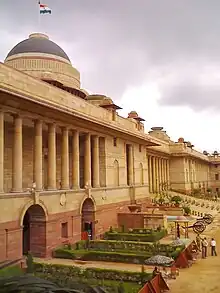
<point>160,58</point>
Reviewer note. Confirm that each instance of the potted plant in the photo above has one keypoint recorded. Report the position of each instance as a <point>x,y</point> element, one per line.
<point>176,199</point>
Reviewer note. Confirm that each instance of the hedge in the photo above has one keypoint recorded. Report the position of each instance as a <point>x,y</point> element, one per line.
<point>123,246</point>
<point>108,256</point>
<point>151,237</point>
<point>67,272</point>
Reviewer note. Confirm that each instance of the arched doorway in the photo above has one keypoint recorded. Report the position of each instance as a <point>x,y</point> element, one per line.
<point>88,218</point>
<point>34,231</point>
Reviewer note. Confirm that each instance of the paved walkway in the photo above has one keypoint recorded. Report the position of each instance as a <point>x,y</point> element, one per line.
<point>203,276</point>
<point>96,264</point>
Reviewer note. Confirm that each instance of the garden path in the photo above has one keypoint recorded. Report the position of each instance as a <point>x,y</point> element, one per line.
<point>203,276</point>
<point>96,264</point>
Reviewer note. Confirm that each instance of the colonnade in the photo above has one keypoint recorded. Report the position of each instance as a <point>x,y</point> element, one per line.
<point>158,172</point>
<point>91,166</point>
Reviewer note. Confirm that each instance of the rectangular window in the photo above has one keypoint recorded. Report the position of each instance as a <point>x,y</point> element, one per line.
<point>216,177</point>
<point>216,189</point>
<point>64,230</point>
<point>140,148</point>
<point>216,166</point>
<point>115,141</point>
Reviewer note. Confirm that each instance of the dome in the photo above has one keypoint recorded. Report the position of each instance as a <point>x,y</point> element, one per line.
<point>38,43</point>
<point>43,59</point>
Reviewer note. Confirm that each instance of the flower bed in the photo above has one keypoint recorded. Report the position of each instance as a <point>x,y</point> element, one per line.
<point>131,236</point>
<point>65,272</point>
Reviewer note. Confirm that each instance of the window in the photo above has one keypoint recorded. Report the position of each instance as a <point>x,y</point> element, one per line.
<point>217,189</point>
<point>216,166</point>
<point>115,141</point>
<point>140,148</point>
<point>216,177</point>
<point>64,230</point>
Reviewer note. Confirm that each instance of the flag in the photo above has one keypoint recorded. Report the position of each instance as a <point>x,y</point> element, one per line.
<point>44,9</point>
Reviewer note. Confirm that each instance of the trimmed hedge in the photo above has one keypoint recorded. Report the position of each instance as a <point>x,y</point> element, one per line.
<point>109,256</point>
<point>151,237</point>
<point>101,256</point>
<point>67,272</point>
<point>123,246</point>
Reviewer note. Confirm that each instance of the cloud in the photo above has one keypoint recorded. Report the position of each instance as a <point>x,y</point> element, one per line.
<point>117,44</point>
<point>161,58</point>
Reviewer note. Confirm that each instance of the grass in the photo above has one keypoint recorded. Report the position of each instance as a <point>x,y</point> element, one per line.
<point>11,271</point>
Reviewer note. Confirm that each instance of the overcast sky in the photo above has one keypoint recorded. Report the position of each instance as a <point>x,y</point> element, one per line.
<point>158,57</point>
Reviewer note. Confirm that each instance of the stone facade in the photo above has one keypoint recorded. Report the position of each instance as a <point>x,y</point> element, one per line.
<point>69,162</point>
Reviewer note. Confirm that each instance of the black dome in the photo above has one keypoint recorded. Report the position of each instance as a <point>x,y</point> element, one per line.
<point>38,43</point>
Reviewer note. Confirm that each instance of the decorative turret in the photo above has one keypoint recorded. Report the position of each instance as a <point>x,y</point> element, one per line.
<point>158,132</point>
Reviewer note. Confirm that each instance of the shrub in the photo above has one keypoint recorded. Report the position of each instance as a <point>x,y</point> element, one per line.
<point>65,272</point>
<point>176,199</point>
<point>102,256</point>
<point>137,257</point>
<point>149,237</point>
<point>187,210</point>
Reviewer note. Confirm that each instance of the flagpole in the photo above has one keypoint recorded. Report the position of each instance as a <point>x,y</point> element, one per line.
<point>39,18</point>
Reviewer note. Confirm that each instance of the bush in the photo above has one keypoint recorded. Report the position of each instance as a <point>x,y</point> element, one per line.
<point>65,272</point>
<point>149,237</point>
<point>187,210</point>
<point>101,256</point>
<point>137,257</point>
<point>124,246</point>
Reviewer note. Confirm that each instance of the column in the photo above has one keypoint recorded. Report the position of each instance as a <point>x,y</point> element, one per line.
<point>149,174</point>
<point>95,163</point>
<point>65,159</point>
<point>87,160</point>
<point>2,152</point>
<point>51,157</point>
<point>75,160</point>
<point>38,164</point>
<point>154,174</point>
<point>168,174</point>
<point>130,165</point>
<point>17,156</point>
<point>163,177</point>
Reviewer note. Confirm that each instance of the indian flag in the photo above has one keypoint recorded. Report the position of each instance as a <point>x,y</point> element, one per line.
<point>44,9</point>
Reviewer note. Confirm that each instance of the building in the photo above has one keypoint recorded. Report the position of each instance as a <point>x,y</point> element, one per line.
<point>68,161</point>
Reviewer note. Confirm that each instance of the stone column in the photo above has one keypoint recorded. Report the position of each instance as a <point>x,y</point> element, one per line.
<point>2,152</point>
<point>168,173</point>
<point>65,159</point>
<point>38,164</point>
<point>157,174</point>
<point>162,173</point>
<point>95,163</point>
<point>51,157</point>
<point>154,174</point>
<point>75,160</point>
<point>150,173</point>
<point>17,156</point>
<point>130,165</point>
<point>87,160</point>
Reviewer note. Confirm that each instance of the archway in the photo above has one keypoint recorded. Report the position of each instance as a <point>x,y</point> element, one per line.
<point>88,218</point>
<point>34,231</point>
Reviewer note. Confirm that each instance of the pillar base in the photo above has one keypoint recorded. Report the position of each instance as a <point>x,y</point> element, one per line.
<point>17,190</point>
